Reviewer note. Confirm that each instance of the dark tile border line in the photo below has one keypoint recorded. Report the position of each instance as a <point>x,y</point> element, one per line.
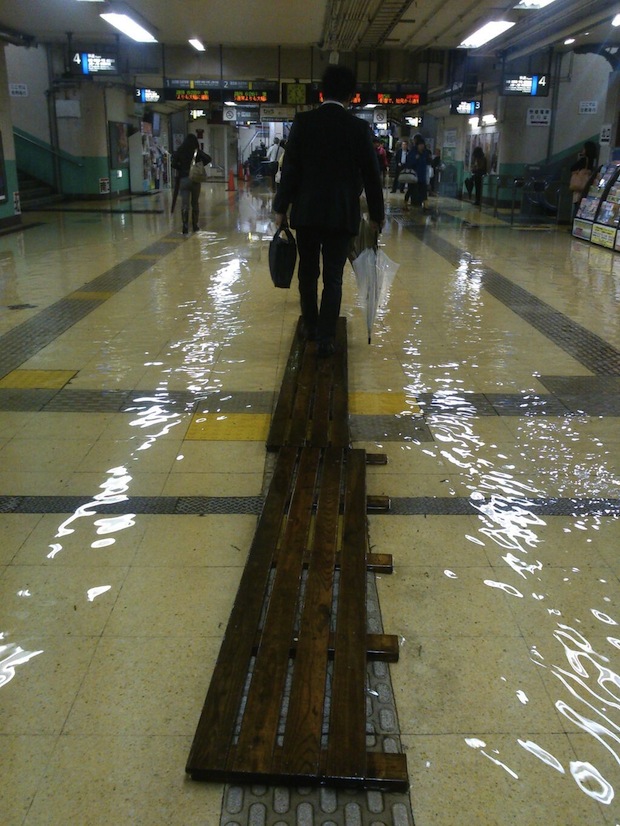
<point>568,396</point>
<point>70,400</point>
<point>252,505</point>
<point>595,354</point>
<point>25,340</point>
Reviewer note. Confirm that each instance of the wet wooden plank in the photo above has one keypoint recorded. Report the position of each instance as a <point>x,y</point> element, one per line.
<point>320,421</point>
<point>302,408</point>
<point>281,419</point>
<point>215,730</point>
<point>385,772</point>
<point>346,755</point>
<point>340,436</point>
<point>312,407</point>
<point>302,739</point>
<point>259,727</point>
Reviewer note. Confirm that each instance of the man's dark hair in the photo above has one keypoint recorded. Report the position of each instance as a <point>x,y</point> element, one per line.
<point>338,83</point>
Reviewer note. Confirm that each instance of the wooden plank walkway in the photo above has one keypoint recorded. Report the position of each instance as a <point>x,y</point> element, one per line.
<point>287,700</point>
<point>312,406</point>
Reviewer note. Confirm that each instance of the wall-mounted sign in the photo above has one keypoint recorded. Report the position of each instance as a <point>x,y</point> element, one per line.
<point>525,85</point>
<point>465,107</point>
<point>588,107</point>
<point>94,63</point>
<point>277,114</point>
<point>539,117</point>
<point>240,115</point>
<point>18,90</point>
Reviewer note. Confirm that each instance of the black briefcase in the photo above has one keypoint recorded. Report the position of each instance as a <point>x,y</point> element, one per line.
<point>282,257</point>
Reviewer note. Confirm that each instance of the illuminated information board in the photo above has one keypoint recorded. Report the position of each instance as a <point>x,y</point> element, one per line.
<point>525,85</point>
<point>465,107</point>
<point>92,63</point>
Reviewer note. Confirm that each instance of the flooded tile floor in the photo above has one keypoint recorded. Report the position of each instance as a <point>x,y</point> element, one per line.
<point>138,371</point>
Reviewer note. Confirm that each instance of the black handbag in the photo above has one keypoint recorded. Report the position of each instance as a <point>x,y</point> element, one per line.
<point>282,257</point>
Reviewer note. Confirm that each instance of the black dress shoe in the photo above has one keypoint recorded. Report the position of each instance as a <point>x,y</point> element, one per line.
<point>308,333</point>
<point>325,349</point>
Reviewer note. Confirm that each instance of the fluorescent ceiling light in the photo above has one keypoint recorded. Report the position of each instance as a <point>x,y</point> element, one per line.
<point>197,44</point>
<point>616,20</point>
<point>532,4</point>
<point>486,33</point>
<point>569,40</point>
<point>127,25</point>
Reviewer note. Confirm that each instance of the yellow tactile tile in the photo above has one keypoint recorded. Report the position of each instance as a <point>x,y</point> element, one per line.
<point>377,404</point>
<point>236,427</point>
<point>22,379</point>
<point>85,295</point>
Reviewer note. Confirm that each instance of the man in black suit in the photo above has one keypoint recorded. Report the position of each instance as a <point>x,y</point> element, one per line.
<point>329,158</point>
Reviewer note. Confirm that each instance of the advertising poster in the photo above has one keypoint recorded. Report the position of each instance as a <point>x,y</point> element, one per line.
<point>119,145</point>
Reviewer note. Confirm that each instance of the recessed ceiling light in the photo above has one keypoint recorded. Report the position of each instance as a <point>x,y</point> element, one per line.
<point>197,45</point>
<point>126,21</point>
<point>569,40</point>
<point>532,4</point>
<point>616,20</point>
<point>486,33</point>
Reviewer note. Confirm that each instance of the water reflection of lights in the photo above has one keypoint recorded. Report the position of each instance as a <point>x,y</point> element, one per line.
<point>93,593</point>
<point>507,512</point>
<point>12,656</point>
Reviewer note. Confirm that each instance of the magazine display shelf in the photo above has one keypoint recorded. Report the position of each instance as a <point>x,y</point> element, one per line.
<point>598,216</point>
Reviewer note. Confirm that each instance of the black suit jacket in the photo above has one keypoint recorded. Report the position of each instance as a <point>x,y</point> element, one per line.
<point>329,158</point>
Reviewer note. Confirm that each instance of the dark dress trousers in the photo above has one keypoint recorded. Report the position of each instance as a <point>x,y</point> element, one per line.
<point>329,159</point>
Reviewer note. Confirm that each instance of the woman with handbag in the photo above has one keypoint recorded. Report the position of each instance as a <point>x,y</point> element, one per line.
<point>190,163</point>
<point>581,171</point>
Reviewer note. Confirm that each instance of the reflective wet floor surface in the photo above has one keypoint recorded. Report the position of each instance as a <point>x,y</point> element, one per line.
<point>138,372</point>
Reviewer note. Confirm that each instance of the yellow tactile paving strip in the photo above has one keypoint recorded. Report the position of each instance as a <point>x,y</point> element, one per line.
<point>238,427</point>
<point>39,379</point>
<point>378,404</point>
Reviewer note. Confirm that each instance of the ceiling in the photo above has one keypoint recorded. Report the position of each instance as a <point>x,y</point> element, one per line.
<point>334,25</point>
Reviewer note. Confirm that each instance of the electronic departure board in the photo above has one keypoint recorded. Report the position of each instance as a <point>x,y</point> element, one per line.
<point>398,99</point>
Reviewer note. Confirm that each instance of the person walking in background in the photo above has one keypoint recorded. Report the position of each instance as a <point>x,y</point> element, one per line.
<point>273,156</point>
<point>438,167</point>
<point>398,164</point>
<point>419,160</point>
<point>381,157</point>
<point>329,158</point>
<point>182,160</point>
<point>478,171</point>
<point>278,175</point>
<point>586,159</point>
